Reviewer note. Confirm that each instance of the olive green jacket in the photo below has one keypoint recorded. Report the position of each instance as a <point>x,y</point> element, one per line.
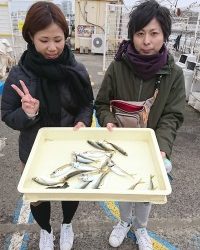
<point>167,112</point>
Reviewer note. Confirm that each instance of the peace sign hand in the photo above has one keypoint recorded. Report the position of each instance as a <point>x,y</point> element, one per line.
<point>30,105</point>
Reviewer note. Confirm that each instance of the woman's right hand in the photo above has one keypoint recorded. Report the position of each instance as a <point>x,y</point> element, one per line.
<point>30,105</point>
<point>110,126</point>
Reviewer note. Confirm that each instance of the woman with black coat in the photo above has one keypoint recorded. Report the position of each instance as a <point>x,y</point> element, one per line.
<point>48,88</point>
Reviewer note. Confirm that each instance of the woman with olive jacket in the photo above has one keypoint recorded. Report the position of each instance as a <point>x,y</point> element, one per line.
<point>144,71</point>
<point>166,115</point>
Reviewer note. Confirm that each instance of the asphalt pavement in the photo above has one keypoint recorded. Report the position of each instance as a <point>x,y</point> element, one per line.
<point>174,225</point>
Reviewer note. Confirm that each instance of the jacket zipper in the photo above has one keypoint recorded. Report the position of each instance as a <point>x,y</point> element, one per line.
<point>140,89</point>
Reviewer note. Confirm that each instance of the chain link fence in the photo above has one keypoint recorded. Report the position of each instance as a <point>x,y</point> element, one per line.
<point>18,10</point>
<point>117,17</point>
<point>116,20</point>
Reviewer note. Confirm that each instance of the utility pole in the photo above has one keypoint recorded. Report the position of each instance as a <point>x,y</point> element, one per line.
<point>176,4</point>
<point>196,31</point>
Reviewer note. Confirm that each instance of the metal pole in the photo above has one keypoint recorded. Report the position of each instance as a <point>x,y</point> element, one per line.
<point>196,31</point>
<point>105,37</point>
<point>176,4</point>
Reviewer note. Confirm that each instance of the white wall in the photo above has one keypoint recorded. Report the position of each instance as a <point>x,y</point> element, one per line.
<point>5,22</point>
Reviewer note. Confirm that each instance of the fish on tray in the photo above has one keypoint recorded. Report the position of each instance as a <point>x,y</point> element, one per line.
<point>61,170</point>
<point>97,154</point>
<point>100,145</point>
<point>94,144</point>
<point>104,146</point>
<point>76,182</point>
<point>79,157</point>
<point>153,182</point>
<point>118,170</point>
<point>119,149</point>
<point>93,179</point>
<point>133,186</point>
<point>83,166</point>
<point>50,181</point>
<point>67,172</point>
<point>79,184</point>
<point>61,185</point>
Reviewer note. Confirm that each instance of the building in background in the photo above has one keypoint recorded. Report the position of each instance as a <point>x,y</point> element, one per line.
<point>90,24</point>
<point>67,8</point>
<point>5,21</point>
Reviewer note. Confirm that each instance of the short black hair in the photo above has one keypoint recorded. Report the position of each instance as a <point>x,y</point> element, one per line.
<point>144,12</point>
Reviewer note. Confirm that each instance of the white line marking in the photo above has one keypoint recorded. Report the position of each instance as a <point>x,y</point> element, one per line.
<point>24,213</point>
<point>17,238</point>
<point>16,241</point>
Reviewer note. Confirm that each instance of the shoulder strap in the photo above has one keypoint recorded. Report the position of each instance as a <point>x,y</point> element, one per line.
<point>149,102</point>
<point>158,80</point>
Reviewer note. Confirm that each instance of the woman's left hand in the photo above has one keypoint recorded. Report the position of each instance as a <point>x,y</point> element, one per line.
<point>110,126</point>
<point>167,162</point>
<point>163,154</point>
<point>79,125</point>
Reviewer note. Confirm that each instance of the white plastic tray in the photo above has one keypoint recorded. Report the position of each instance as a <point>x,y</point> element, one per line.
<point>53,148</point>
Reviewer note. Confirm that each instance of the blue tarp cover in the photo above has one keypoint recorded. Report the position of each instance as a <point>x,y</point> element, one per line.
<point>1,87</point>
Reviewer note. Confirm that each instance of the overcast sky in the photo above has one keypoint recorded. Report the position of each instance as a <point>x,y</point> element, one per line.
<point>17,5</point>
<point>180,3</point>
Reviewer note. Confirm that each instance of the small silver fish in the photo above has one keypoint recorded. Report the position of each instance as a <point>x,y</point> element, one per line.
<point>82,166</point>
<point>88,176</point>
<point>94,144</point>
<point>74,173</point>
<point>97,154</point>
<point>153,182</point>
<point>104,147</point>
<point>61,170</point>
<point>79,157</point>
<point>96,181</point>
<point>61,185</point>
<point>119,149</point>
<point>46,181</point>
<point>115,168</point>
<point>135,184</point>
<point>105,162</point>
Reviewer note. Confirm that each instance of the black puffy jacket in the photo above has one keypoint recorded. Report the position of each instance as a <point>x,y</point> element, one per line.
<point>13,115</point>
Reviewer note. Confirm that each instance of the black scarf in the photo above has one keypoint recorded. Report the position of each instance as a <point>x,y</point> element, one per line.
<point>146,66</point>
<point>52,72</point>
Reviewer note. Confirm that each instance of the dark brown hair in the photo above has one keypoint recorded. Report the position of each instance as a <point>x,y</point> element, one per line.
<point>40,15</point>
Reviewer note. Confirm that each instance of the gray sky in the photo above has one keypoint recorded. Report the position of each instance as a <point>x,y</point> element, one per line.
<point>184,3</point>
<point>181,3</point>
